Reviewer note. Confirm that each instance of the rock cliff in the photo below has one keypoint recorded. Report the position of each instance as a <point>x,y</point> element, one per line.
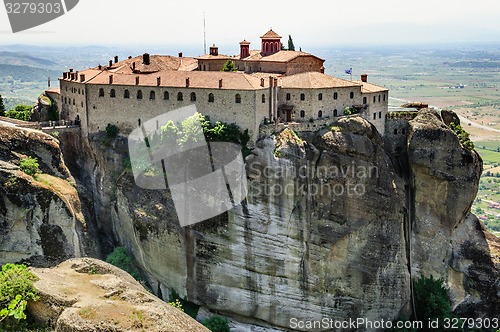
<point>331,227</point>
<point>41,215</point>
<point>334,225</point>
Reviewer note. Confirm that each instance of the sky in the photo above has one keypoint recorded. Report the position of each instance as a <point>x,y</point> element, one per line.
<point>312,22</point>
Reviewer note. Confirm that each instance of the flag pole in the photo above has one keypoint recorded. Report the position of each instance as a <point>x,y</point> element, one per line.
<point>351,74</point>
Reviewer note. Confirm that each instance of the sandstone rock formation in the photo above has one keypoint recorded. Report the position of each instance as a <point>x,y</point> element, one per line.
<point>41,216</point>
<point>88,295</point>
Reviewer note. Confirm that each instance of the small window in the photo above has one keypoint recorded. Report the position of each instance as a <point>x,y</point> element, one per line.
<point>180,97</point>
<point>82,103</point>
<point>288,97</point>
<point>101,92</point>
<point>78,91</point>
<point>302,97</point>
<point>384,97</point>
<point>237,98</point>
<point>374,116</point>
<point>166,95</point>
<point>74,102</point>
<point>335,112</point>
<point>112,93</point>
<point>374,99</point>
<point>152,95</point>
<point>351,95</point>
<point>192,96</point>
<point>139,122</point>
<point>126,94</point>
<point>302,114</point>
<point>380,115</point>
<point>379,98</point>
<point>320,96</point>
<point>263,98</point>
<point>364,100</point>
<point>211,98</point>
<point>395,131</point>
<point>335,96</point>
<point>320,114</point>
<point>139,94</point>
<point>83,92</point>
<point>65,100</point>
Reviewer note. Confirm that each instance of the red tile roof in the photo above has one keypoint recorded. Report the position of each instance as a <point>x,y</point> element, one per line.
<point>315,80</point>
<point>371,88</point>
<point>270,35</point>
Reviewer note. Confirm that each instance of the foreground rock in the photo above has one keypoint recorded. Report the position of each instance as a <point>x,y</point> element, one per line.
<point>88,295</point>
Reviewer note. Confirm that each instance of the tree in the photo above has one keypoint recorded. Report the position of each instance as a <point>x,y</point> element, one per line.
<point>29,166</point>
<point>229,66</point>
<point>282,47</point>
<point>2,107</point>
<point>291,47</point>
<point>20,112</point>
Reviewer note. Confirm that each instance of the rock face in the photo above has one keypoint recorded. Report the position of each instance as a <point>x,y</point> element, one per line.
<point>89,295</point>
<point>332,226</point>
<point>447,241</point>
<point>41,216</point>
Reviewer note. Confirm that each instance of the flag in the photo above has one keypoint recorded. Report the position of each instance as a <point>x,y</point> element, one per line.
<point>348,71</point>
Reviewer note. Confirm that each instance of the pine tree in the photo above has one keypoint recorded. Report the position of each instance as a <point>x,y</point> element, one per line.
<point>229,66</point>
<point>291,47</point>
<point>2,107</point>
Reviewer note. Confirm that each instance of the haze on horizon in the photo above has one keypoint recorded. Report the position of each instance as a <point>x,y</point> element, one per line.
<point>312,23</point>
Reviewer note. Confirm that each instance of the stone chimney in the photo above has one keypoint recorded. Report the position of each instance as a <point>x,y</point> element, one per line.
<point>100,67</point>
<point>322,70</point>
<point>180,54</point>
<point>133,66</point>
<point>110,79</point>
<point>137,80</point>
<point>262,82</point>
<point>146,59</point>
<point>111,63</point>
<point>220,83</point>
<point>364,78</point>
<point>214,50</point>
<point>116,58</point>
<point>244,49</point>
<point>187,82</point>
<point>65,75</point>
<point>130,57</point>
<point>71,70</point>
<point>82,78</point>
<point>158,81</point>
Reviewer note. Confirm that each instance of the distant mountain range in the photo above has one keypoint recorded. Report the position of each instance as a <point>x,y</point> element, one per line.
<point>24,59</point>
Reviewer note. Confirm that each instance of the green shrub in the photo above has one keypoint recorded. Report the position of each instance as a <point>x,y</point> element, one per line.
<point>432,299</point>
<point>188,307</point>
<point>350,111</point>
<point>112,130</point>
<point>20,112</point>
<point>229,66</point>
<point>121,258</point>
<point>463,136</point>
<point>217,324</point>
<point>16,290</point>
<point>29,166</point>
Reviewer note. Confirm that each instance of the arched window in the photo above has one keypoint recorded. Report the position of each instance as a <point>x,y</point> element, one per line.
<point>74,102</point>
<point>364,100</point>
<point>374,116</point>
<point>166,95</point>
<point>335,112</point>
<point>78,91</point>
<point>65,100</point>
<point>302,97</point>
<point>211,98</point>
<point>101,92</point>
<point>351,95</point>
<point>192,96</point>
<point>320,114</point>
<point>288,96</point>
<point>152,95</point>
<point>320,96</point>
<point>263,98</point>
<point>179,96</point>
<point>237,98</point>
<point>395,131</point>
<point>139,94</point>
<point>302,114</point>
<point>126,94</point>
<point>112,93</point>
<point>374,99</point>
<point>384,97</point>
<point>335,95</point>
<point>379,98</point>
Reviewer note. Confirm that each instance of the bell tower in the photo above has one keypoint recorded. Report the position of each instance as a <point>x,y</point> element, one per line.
<point>271,43</point>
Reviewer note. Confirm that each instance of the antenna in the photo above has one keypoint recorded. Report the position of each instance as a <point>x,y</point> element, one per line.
<point>204,35</point>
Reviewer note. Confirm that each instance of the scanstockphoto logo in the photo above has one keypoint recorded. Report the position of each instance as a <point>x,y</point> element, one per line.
<point>25,14</point>
<point>205,179</point>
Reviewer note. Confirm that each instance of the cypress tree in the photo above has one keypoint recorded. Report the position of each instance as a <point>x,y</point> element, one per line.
<point>291,46</point>
<point>2,107</point>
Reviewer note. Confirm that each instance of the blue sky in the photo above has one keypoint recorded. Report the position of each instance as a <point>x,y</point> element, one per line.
<point>312,22</point>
